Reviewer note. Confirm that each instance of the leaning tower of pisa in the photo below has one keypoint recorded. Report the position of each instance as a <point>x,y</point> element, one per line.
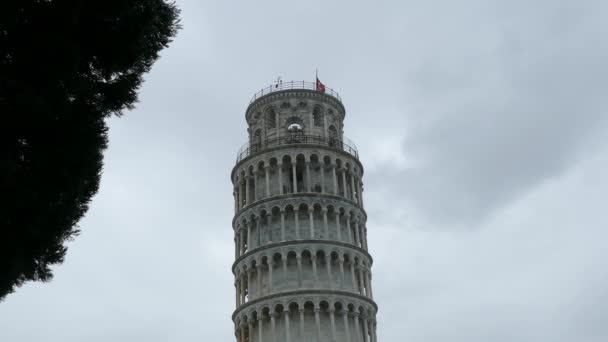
<point>302,269</point>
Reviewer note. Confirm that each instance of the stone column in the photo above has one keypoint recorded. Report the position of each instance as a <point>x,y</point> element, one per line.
<point>249,272</point>
<point>294,178</point>
<point>359,197</point>
<point>267,174</point>
<point>364,234</point>
<point>318,324</point>
<point>243,288</point>
<point>344,183</point>
<point>365,330</point>
<point>260,329</point>
<point>299,261</point>
<point>296,213</point>
<point>322,170</point>
<point>248,236</point>
<point>333,323</point>
<point>241,182</point>
<point>284,258</point>
<point>287,330</point>
<point>242,241</point>
<point>280,178</point>
<point>247,195</point>
<point>308,181</point>
<point>357,327</point>
<point>236,200</point>
<point>328,263</point>
<point>365,282</point>
<point>369,283</point>
<point>333,170</point>
<point>282,225</point>
<point>273,327</point>
<point>315,278</point>
<point>258,276</point>
<point>350,233</point>
<point>361,193</point>
<point>236,290</point>
<point>341,264</point>
<point>352,275</point>
<point>242,332</point>
<point>270,267</point>
<point>326,226</point>
<point>361,284</point>
<point>346,327</point>
<point>338,225</point>
<point>258,227</point>
<point>375,330</point>
<point>357,239</point>
<point>254,196</point>
<point>250,330</point>
<point>236,245</point>
<point>301,310</point>
<point>311,220</point>
<point>352,186</point>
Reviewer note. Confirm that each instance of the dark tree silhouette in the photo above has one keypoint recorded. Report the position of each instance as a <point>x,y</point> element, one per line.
<point>65,66</point>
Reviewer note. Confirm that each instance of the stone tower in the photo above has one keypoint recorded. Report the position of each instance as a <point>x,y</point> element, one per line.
<point>302,269</point>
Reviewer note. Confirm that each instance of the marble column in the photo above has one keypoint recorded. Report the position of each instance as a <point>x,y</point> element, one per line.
<point>248,236</point>
<point>287,329</point>
<point>325,224</point>
<point>260,329</point>
<point>352,187</point>
<point>344,188</point>
<point>346,327</point>
<point>357,327</point>
<point>322,170</point>
<point>270,267</point>
<point>318,324</point>
<point>247,195</point>
<point>335,180</point>
<point>339,229</point>
<point>282,225</point>
<point>273,327</point>
<point>267,175</point>
<point>301,310</point>
<point>280,178</point>
<point>361,284</point>
<point>294,177</point>
<point>258,276</point>
<point>357,238</point>
<point>352,275</point>
<point>284,258</point>
<point>314,269</point>
<point>311,220</point>
<point>329,277</point>
<point>350,233</point>
<point>296,213</point>
<point>332,321</point>
<point>341,264</point>
<point>365,330</point>
<point>308,181</point>
<point>299,261</point>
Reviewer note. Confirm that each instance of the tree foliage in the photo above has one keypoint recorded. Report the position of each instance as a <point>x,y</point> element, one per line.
<point>65,67</point>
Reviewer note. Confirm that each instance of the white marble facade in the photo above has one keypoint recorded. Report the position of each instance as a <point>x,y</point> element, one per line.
<point>302,269</point>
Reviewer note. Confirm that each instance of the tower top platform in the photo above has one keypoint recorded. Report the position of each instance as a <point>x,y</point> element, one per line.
<point>291,85</point>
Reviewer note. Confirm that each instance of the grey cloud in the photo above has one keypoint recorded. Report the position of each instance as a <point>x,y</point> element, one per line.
<point>487,124</point>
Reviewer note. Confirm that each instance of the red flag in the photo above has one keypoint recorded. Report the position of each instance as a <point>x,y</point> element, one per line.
<point>320,86</point>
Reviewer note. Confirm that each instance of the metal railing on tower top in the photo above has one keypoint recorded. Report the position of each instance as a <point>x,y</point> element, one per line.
<point>293,85</point>
<point>343,144</point>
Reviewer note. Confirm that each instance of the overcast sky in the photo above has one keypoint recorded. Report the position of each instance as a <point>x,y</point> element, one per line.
<point>483,127</point>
